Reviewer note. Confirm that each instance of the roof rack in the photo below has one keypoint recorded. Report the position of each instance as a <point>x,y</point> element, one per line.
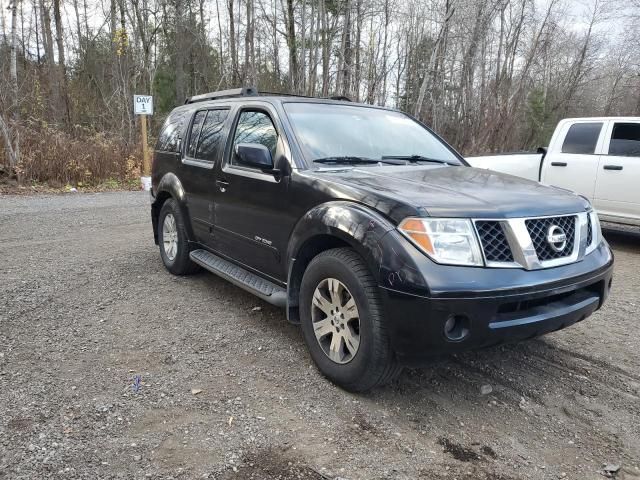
<point>281,94</point>
<point>250,92</point>
<point>233,92</point>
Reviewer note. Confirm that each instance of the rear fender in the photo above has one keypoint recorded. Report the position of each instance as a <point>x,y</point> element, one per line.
<point>170,186</point>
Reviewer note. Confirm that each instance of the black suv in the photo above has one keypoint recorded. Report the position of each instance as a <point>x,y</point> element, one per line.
<point>373,233</point>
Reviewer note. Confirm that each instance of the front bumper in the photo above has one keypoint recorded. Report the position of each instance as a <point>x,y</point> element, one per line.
<point>489,305</point>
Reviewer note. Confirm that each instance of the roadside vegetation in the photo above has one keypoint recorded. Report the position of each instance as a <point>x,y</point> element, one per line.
<point>489,75</point>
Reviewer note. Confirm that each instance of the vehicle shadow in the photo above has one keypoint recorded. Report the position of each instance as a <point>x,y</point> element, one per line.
<point>513,371</point>
<point>622,238</point>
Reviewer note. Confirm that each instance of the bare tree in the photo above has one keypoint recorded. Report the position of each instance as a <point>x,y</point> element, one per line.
<point>14,61</point>
<point>489,75</point>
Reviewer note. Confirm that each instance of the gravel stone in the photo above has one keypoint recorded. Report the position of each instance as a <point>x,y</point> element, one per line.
<point>86,306</point>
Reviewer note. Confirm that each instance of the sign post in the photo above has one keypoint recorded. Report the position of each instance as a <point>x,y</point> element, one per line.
<point>143,106</point>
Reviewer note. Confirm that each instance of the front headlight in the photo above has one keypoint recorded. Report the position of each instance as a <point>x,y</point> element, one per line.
<point>450,241</point>
<point>596,232</point>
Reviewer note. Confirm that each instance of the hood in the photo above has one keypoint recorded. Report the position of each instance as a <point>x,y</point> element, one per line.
<point>442,191</point>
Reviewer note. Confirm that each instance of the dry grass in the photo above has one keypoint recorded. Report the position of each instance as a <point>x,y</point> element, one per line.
<point>84,159</point>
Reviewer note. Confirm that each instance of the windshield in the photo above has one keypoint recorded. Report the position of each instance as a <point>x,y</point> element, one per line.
<point>333,131</point>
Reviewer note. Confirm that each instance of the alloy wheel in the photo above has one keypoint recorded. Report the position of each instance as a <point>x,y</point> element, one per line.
<point>336,321</point>
<point>170,236</point>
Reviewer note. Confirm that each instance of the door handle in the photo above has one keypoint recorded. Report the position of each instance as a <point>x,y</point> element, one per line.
<point>558,164</point>
<point>222,185</point>
<point>612,167</point>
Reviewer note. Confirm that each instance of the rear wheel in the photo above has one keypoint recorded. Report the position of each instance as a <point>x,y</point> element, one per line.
<point>342,323</point>
<point>173,240</point>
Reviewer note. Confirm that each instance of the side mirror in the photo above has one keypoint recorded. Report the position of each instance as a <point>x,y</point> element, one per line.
<point>254,155</point>
<point>542,151</point>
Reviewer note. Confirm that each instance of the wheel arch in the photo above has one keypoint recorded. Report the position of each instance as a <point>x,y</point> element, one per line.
<point>332,225</point>
<point>170,187</point>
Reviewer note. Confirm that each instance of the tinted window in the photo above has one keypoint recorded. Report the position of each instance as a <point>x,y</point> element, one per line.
<point>195,132</point>
<point>171,132</point>
<point>211,135</point>
<point>255,127</point>
<point>625,140</point>
<point>582,138</point>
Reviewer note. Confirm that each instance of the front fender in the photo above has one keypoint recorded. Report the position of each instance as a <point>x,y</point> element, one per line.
<point>360,227</point>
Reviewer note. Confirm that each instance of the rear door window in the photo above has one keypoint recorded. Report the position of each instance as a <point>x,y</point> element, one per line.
<point>625,140</point>
<point>582,138</point>
<point>195,133</point>
<point>211,135</point>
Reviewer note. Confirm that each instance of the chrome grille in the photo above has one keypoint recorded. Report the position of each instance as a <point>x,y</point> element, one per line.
<point>494,241</point>
<point>538,229</point>
<point>523,242</point>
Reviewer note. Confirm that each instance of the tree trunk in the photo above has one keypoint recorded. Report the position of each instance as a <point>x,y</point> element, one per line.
<point>232,45</point>
<point>221,44</point>
<point>432,60</point>
<point>3,25</point>
<point>385,43</point>
<point>35,17</point>
<point>51,83</point>
<point>180,52</point>
<point>325,49</point>
<point>302,74</point>
<point>276,47</point>
<point>313,61</point>
<point>343,81</point>
<point>249,75</point>
<point>13,155</point>
<point>62,69</point>
<point>293,48</point>
<point>13,67</point>
<point>81,46</point>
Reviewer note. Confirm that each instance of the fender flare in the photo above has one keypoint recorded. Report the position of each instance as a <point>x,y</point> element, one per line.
<point>170,186</point>
<point>356,225</point>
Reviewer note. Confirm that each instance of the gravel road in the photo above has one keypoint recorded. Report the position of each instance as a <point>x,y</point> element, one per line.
<point>226,389</point>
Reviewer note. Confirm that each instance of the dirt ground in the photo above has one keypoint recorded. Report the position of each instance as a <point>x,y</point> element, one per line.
<point>226,388</point>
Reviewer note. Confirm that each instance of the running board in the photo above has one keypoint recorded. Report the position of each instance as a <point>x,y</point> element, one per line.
<point>252,283</point>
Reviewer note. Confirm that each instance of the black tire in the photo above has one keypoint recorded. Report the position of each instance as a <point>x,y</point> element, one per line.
<point>374,363</point>
<point>180,264</point>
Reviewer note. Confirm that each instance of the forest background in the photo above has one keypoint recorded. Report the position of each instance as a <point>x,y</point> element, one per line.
<point>488,75</point>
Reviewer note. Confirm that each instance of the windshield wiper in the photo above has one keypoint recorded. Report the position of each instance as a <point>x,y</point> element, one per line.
<point>349,160</point>
<point>416,158</point>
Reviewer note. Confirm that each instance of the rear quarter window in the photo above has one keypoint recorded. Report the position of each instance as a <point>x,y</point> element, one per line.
<point>582,138</point>
<point>172,131</point>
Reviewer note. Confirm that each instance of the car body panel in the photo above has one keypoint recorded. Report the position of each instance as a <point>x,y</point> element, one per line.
<point>444,191</point>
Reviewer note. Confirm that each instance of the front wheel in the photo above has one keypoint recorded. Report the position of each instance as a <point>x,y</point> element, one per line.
<point>173,240</point>
<point>342,322</point>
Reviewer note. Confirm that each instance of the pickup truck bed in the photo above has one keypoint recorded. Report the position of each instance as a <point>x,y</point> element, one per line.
<point>525,165</point>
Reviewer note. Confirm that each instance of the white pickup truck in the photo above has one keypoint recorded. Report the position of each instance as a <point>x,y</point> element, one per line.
<point>596,157</point>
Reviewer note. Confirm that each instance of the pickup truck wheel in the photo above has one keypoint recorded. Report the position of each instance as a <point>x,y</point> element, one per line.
<point>173,241</point>
<point>342,323</point>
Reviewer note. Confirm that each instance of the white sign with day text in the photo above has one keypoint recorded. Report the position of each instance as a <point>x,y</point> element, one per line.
<point>143,104</point>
